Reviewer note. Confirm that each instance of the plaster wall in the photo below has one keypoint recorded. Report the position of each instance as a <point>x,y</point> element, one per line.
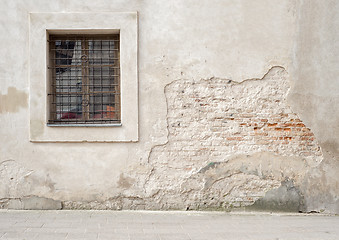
<point>266,49</point>
<point>315,95</point>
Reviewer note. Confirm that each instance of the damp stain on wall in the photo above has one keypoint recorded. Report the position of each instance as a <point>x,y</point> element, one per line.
<point>13,100</point>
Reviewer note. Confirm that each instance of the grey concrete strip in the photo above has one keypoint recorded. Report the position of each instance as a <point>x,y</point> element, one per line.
<point>150,225</point>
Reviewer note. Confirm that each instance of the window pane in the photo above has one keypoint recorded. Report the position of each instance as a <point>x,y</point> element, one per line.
<point>85,79</point>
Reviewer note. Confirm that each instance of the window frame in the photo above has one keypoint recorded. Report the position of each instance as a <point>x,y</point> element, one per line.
<point>86,92</point>
<point>43,24</point>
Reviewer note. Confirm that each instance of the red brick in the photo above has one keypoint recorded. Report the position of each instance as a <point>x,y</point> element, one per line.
<point>234,138</point>
<point>288,125</point>
<point>308,134</point>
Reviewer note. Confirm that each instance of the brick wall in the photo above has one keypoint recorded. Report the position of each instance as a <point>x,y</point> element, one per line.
<point>212,120</point>
<point>222,117</point>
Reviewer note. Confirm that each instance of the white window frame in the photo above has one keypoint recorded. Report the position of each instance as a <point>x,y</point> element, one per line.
<point>43,24</point>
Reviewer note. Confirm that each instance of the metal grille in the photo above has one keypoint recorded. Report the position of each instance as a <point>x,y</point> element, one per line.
<point>85,79</point>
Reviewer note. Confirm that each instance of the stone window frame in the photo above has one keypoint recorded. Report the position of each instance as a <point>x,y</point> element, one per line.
<point>43,24</point>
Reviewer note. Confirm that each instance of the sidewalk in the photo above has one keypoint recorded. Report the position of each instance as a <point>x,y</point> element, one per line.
<point>142,225</point>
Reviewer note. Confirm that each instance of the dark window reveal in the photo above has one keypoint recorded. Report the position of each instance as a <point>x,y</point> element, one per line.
<point>84,79</point>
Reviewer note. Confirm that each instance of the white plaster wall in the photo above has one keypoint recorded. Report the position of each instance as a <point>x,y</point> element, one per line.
<point>233,39</point>
<point>316,95</point>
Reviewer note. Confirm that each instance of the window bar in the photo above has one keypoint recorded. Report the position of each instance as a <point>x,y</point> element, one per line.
<point>110,111</point>
<point>53,89</point>
<point>112,87</point>
<point>67,81</point>
<point>61,84</point>
<point>102,97</point>
<point>85,74</point>
<point>92,78</point>
<point>78,81</point>
<point>117,86</point>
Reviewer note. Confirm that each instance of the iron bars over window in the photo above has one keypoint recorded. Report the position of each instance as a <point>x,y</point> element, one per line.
<point>84,80</point>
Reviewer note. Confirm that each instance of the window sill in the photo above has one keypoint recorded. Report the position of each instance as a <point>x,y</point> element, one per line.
<point>84,125</point>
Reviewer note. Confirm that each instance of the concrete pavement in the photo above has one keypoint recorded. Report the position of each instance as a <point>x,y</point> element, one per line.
<point>141,225</point>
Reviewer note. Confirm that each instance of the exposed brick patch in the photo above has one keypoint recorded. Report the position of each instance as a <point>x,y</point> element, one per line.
<point>212,120</point>
<point>222,117</point>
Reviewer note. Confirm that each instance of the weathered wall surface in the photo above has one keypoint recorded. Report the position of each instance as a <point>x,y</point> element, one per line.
<point>315,96</point>
<point>229,99</point>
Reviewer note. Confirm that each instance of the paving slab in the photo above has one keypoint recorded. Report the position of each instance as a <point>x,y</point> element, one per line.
<point>172,225</point>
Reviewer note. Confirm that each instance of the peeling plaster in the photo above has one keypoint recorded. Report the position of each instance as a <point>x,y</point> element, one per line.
<point>22,188</point>
<point>229,145</point>
<point>191,171</point>
<point>13,178</point>
<point>201,163</point>
<point>31,203</point>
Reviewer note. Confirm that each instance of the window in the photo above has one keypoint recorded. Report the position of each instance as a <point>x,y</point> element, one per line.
<point>85,80</point>
<point>83,77</point>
